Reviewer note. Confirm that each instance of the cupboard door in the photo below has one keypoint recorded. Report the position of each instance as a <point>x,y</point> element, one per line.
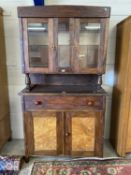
<point>65,30</point>
<point>84,133</point>
<point>90,45</point>
<point>46,133</point>
<point>39,45</point>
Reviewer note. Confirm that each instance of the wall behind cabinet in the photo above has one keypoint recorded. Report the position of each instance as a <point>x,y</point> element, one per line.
<point>120,9</point>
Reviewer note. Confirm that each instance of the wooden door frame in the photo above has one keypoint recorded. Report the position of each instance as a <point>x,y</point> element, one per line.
<point>71,35</point>
<point>99,133</point>
<point>29,134</point>
<point>51,49</point>
<point>100,69</point>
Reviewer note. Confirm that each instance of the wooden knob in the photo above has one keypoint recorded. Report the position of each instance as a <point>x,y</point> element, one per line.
<point>38,102</point>
<point>63,70</point>
<point>90,103</point>
<point>67,134</point>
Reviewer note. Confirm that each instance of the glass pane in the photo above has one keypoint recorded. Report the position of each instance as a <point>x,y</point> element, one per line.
<point>89,44</point>
<point>38,44</point>
<point>83,132</point>
<point>63,44</point>
<point>45,131</point>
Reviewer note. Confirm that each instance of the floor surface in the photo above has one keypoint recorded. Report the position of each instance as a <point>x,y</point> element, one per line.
<point>16,147</point>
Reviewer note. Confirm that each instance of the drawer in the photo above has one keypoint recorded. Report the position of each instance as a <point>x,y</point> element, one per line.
<point>41,102</point>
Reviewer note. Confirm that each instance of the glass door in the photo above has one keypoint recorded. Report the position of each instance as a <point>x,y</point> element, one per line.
<point>64,45</point>
<point>39,45</point>
<point>88,45</point>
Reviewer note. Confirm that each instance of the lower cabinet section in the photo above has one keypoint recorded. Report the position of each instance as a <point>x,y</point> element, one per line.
<point>75,133</point>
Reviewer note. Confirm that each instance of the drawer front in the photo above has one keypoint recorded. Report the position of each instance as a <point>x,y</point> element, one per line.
<point>42,102</point>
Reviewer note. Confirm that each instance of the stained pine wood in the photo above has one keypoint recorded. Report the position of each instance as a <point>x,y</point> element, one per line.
<point>55,79</point>
<point>104,44</point>
<point>99,132</point>
<point>53,25</point>
<point>120,122</point>
<point>86,14</point>
<point>5,130</point>
<point>60,135</point>
<point>67,134</point>
<point>29,133</point>
<point>102,47</point>
<point>60,102</point>
<point>64,109</point>
<point>64,11</point>
<point>27,68</point>
<point>1,11</point>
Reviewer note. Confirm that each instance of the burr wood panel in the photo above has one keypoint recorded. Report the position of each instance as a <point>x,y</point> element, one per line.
<point>45,124</point>
<point>83,132</point>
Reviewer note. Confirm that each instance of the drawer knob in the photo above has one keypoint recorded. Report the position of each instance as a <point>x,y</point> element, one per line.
<point>67,134</point>
<point>90,103</point>
<point>37,102</point>
<point>63,70</point>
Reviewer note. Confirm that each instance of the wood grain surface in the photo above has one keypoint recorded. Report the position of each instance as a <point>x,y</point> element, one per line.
<point>83,131</point>
<point>45,127</point>
<point>122,90</point>
<point>5,130</point>
<point>64,11</point>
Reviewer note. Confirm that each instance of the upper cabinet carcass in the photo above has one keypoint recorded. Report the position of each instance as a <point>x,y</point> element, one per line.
<point>64,39</point>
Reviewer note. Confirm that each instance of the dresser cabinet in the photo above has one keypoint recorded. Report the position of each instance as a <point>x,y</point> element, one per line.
<point>64,52</point>
<point>121,104</point>
<point>64,124</point>
<point>5,131</point>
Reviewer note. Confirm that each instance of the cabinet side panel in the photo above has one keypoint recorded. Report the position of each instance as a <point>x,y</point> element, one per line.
<point>128,143</point>
<point>5,130</point>
<point>121,91</point>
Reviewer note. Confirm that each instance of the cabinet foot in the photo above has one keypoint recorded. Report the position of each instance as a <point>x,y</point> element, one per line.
<point>10,139</point>
<point>26,159</point>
